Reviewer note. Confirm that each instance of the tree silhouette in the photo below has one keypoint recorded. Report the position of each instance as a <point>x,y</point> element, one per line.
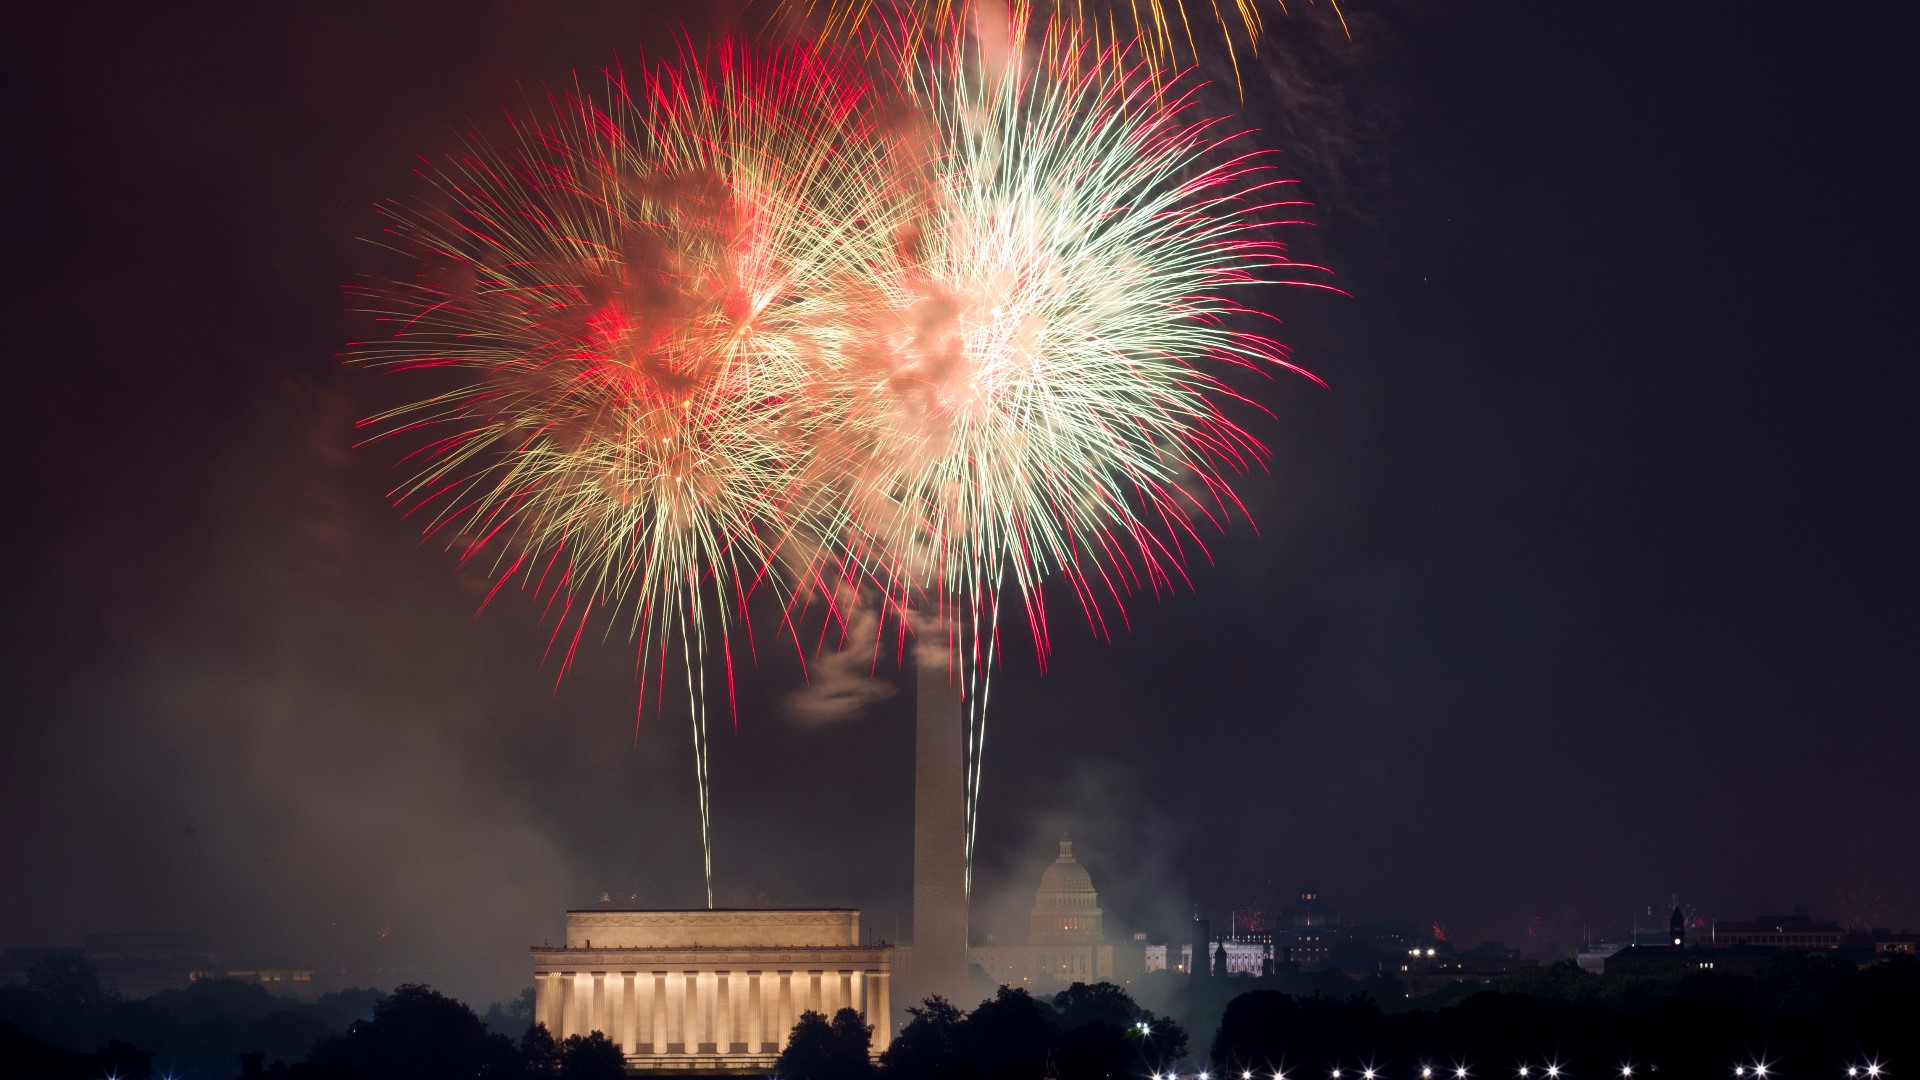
<point>419,1034</point>
<point>852,1045</point>
<point>1008,1036</point>
<point>1113,1030</point>
<point>510,1017</point>
<point>821,1050</point>
<point>929,1046</point>
<point>69,982</point>
<point>539,1054</point>
<point>592,1056</point>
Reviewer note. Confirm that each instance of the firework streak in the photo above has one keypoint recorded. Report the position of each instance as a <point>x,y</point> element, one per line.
<point>1165,34</point>
<point>764,320</point>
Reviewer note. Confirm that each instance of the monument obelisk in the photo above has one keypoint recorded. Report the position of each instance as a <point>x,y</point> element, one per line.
<point>939,958</point>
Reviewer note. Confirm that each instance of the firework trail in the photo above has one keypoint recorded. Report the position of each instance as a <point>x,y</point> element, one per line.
<point>616,314</point>
<point>1164,35</point>
<point>1036,379</point>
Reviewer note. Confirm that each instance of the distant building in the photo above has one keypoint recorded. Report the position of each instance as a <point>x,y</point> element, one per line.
<point>1796,931</point>
<point>1886,943</point>
<point>1066,937</point>
<point>1308,931</point>
<point>141,965</point>
<point>1675,959</point>
<point>1428,969</point>
<point>1177,958</point>
<point>1743,947</point>
<point>1592,956</point>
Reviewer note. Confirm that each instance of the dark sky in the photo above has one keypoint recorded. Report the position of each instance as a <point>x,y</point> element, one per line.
<point>1591,579</point>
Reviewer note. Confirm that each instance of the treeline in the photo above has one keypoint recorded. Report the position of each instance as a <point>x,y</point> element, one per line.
<point>1802,1019</point>
<point>1082,1033</point>
<point>68,1024</point>
<point>219,1030</point>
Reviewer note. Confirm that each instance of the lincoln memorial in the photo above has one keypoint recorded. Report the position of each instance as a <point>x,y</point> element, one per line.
<point>708,989</point>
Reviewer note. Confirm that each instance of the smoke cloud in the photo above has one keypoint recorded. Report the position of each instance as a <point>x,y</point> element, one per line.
<point>841,684</point>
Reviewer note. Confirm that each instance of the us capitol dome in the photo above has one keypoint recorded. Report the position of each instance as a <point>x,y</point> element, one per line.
<point>1066,937</point>
<point>1066,909</point>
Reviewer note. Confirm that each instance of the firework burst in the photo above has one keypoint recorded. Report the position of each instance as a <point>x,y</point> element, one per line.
<point>747,321</point>
<point>1036,378</point>
<point>621,310</point>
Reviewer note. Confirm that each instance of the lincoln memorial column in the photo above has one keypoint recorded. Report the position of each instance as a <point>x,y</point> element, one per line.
<point>882,1016</point>
<point>736,1011</point>
<point>629,1015</point>
<point>597,1005</point>
<point>789,1007</point>
<point>857,993</point>
<point>546,1003</point>
<point>702,1039</point>
<point>756,1012</point>
<point>569,990</point>
<point>777,997</point>
<point>657,1011</point>
<point>694,1030</point>
<point>676,1011</point>
<point>722,1011</point>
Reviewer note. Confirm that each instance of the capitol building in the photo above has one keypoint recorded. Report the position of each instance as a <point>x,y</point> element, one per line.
<point>1066,937</point>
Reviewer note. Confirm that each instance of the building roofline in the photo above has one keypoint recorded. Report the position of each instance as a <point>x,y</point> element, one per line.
<point>714,911</point>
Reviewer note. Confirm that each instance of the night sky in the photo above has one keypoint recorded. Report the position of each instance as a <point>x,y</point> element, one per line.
<point>1588,582</point>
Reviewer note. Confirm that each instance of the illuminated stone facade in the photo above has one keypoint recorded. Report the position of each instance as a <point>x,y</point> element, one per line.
<point>1066,938</point>
<point>698,990</point>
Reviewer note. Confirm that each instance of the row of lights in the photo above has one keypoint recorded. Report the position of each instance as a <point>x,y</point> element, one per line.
<point>1760,1070</point>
